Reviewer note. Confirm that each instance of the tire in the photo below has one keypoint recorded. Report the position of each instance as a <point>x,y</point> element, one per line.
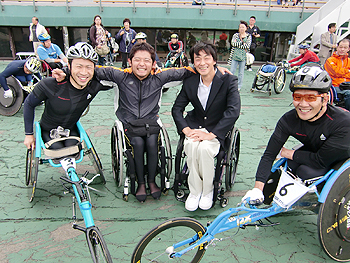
<point>96,162</point>
<point>259,82</point>
<point>117,156</point>
<point>333,220</point>
<point>280,81</point>
<point>97,245</point>
<point>10,106</point>
<point>156,241</point>
<point>169,160</point>
<point>29,165</point>
<point>232,159</point>
<point>33,179</point>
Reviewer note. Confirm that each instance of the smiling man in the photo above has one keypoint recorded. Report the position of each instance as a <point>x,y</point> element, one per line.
<point>65,101</point>
<point>216,102</point>
<point>323,129</point>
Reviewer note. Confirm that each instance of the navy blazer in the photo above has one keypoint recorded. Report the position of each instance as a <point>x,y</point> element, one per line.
<point>222,110</point>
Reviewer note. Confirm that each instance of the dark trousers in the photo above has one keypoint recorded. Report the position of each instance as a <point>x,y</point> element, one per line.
<point>125,57</point>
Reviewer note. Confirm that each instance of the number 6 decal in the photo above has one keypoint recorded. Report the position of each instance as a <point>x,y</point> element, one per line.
<point>283,190</point>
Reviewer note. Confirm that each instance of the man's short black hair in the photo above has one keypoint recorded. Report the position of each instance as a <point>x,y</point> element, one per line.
<point>142,47</point>
<point>208,48</point>
<point>253,17</point>
<point>331,25</point>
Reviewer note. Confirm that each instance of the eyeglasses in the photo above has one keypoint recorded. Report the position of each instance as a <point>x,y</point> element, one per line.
<point>306,97</point>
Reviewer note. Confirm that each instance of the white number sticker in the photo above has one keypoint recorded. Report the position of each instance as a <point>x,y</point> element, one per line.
<point>67,163</point>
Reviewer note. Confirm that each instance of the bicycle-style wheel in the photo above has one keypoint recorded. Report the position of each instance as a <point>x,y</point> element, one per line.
<point>29,165</point>
<point>97,245</point>
<point>280,80</point>
<point>10,106</point>
<point>333,219</point>
<point>152,247</point>
<point>117,156</point>
<point>232,159</point>
<point>33,179</point>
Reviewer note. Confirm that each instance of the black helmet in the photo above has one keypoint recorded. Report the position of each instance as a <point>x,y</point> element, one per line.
<point>311,77</point>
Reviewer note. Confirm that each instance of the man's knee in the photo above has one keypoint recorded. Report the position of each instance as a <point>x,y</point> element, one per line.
<point>208,148</point>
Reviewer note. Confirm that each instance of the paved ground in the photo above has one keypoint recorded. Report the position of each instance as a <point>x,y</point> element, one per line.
<point>41,231</point>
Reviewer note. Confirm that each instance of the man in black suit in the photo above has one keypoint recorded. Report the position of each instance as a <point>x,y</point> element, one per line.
<point>216,102</point>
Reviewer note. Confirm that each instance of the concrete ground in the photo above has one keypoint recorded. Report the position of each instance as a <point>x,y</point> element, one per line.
<point>41,231</point>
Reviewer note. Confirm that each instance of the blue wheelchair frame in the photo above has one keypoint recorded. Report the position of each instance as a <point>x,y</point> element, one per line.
<point>248,214</point>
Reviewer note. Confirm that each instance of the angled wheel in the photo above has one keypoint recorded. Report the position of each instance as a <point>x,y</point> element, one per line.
<point>29,165</point>
<point>184,61</point>
<point>280,80</point>
<point>259,82</point>
<point>117,156</point>
<point>232,159</point>
<point>33,179</point>
<point>333,220</point>
<point>152,247</point>
<point>97,245</point>
<point>96,162</point>
<point>10,106</point>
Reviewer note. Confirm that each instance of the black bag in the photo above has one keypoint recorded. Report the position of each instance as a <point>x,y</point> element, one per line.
<point>142,127</point>
<point>344,86</point>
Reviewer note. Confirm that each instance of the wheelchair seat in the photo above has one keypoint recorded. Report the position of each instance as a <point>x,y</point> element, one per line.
<point>226,166</point>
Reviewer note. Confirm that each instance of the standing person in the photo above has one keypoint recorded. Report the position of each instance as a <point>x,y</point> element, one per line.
<point>23,70</point>
<point>126,38</point>
<point>35,30</point>
<point>328,43</point>
<point>240,42</point>
<point>216,102</point>
<point>323,129</point>
<point>50,52</point>
<point>98,38</point>
<point>254,31</point>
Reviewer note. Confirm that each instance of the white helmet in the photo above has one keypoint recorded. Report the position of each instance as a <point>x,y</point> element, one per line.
<point>82,50</point>
<point>33,64</point>
<point>141,35</point>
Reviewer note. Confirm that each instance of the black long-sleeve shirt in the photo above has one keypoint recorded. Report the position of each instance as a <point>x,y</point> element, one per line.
<point>326,140</point>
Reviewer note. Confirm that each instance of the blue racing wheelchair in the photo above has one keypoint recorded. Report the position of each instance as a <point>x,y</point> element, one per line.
<point>187,239</point>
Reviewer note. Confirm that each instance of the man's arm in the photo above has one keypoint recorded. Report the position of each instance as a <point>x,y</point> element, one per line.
<point>324,41</point>
<point>109,73</point>
<point>295,59</point>
<point>303,59</point>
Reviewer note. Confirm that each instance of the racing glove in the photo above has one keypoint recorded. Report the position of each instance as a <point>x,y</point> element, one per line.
<point>256,196</point>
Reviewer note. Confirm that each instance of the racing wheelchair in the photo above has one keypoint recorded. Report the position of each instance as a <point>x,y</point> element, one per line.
<point>270,74</point>
<point>122,154</point>
<point>335,97</point>
<point>175,59</point>
<point>187,239</point>
<point>226,166</point>
<point>34,158</point>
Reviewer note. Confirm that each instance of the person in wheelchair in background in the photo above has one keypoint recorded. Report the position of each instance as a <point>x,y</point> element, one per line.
<point>216,103</point>
<point>175,47</point>
<point>323,129</point>
<point>65,101</point>
<point>23,70</point>
<point>338,68</point>
<point>306,56</point>
<point>50,52</point>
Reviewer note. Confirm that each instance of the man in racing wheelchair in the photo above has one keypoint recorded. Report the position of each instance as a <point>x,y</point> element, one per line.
<point>323,129</point>
<point>176,56</point>
<point>65,101</point>
<point>216,103</point>
<point>23,70</point>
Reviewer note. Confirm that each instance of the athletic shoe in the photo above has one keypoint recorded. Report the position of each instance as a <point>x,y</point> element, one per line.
<point>249,69</point>
<point>8,94</point>
<point>192,202</point>
<point>206,201</point>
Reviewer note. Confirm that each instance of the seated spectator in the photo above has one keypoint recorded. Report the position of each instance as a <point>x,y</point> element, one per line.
<point>175,45</point>
<point>51,53</point>
<point>338,68</point>
<point>305,56</point>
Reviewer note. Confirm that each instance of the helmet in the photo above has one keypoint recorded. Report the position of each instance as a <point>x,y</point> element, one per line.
<point>304,46</point>
<point>33,64</point>
<point>82,50</point>
<point>174,36</point>
<point>311,78</point>
<point>141,35</point>
<point>44,36</point>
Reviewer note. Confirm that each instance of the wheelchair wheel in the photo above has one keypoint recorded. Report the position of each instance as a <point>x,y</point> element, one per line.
<point>168,153</point>
<point>29,165</point>
<point>280,80</point>
<point>10,106</point>
<point>259,82</point>
<point>33,179</point>
<point>117,156</point>
<point>333,220</point>
<point>152,247</point>
<point>184,61</point>
<point>96,162</point>
<point>232,159</point>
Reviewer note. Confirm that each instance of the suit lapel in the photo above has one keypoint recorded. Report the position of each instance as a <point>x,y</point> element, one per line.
<point>215,87</point>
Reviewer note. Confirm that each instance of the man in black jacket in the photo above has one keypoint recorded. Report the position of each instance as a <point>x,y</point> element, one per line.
<point>216,103</point>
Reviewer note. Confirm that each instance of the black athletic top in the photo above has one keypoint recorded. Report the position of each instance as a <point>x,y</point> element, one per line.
<point>326,140</point>
<point>64,103</point>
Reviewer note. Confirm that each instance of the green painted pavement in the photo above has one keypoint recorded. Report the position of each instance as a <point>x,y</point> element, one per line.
<point>41,231</point>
